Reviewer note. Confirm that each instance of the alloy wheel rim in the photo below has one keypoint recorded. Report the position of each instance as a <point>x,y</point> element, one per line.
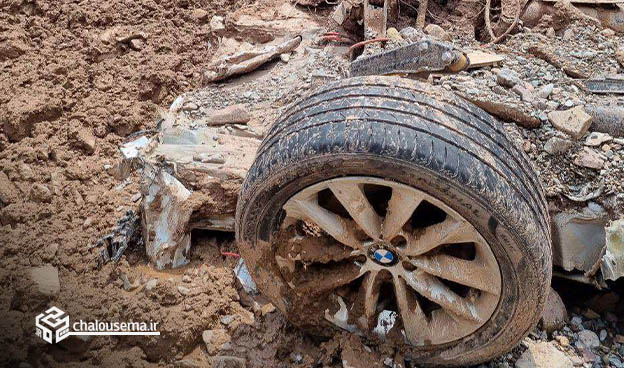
<point>388,260</point>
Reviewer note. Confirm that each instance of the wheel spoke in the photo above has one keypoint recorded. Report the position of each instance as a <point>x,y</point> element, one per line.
<point>448,231</point>
<point>331,223</point>
<point>415,323</point>
<point>351,196</point>
<point>320,280</point>
<point>434,290</point>
<point>371,288</point>
<point>469,273</point>
<point>400,208</point>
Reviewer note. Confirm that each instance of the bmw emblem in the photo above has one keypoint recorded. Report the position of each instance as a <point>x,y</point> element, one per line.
<point>385,257</point>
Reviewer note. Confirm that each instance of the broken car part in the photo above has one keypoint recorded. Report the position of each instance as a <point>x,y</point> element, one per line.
<point>454,239</point>
<point>607,119</point>
<point>423,56</point>
<point>126,232</point>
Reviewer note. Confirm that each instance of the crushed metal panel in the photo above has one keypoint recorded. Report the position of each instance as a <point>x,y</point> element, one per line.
<point>612,265</point>
<point>579,239</point>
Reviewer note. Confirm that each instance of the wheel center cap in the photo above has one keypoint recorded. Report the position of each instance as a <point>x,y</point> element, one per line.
<point>384,257</point>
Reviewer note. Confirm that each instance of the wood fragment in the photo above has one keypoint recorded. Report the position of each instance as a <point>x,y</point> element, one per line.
<point>480,59</point>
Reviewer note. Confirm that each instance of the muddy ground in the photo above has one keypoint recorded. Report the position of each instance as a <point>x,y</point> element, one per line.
<point>77,78</point>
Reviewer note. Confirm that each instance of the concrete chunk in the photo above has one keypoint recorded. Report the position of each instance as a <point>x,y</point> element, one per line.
<point>612,265</point>
<point>573,122</point>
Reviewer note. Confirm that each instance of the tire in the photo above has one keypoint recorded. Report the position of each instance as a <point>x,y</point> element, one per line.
<point>403,134</point>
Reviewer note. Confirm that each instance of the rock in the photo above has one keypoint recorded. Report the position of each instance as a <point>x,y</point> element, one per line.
<point>545,91</point>
<point>619,55</point>
<point>550,33</point>
<point>590,314</point>
<point>411,34</point>
<point>8,191</point>
<point>603,335</point>
<point>49,252</point>
<point>393,34</point>
<point>40,193</point>
<point>563,341</point>
<point>285,58</point>
<point>568,34</point>
<point>184,290</point>
<point>25,110</point>
<point>46,279</point>
<point>607,32</point>
<point>595,139</point>
<point>199,14</point>
<point>507,78</point>
<point>525,94</point>
<point>214,339</point>
<point>555,314</point>
<point>573,122</point>
<point>188,363</point>
<point>234,114</point>
<point>136,44</point>
<point>150,285</point>
<point>86,140</point>
<point>543,355</point>
<point>588,339</point>
<point>590,159</point>
<point>267,308</point>
<point>226,320</point>
<point>224,361</point>
<point>438,32</point>
<point>557,145</point>
<point>619,339</point>
<point>217,24</point>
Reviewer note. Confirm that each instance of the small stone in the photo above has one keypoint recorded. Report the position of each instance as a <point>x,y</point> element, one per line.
<point>507,78</point>
<point>411,34</point>
<point>8,191</point>
<point>607,32</point>
<point>550,33</point>
<point>50,252</point>
<point>523,92</point>
<point>589,356</point>
<point>545,91</point>
<point>393,34</point>
<point>226,320</point>
<point>563,341</point>
<point>619,55</point>
<point>46,279</point>
<point>209,158</point>
<point>223,361</point>
<point>556,145</point>
<point>214,339</point>
<point>555,314</point>
<point>285,57</point>
<point>186,278</point>
<point>588,339</point>
<point>590,314</point>
<point>151,284</point>
<point>234,114</point>
<point>568,34</point>
<point>590,159</point>
<point>603,335</point>
<point>619,339</point>
<point>190,106</point>
<point>136,44</point>
<point>217,24</point>
<point>543,355</point>
<point>573,122</point>
<point>267,308</point>
<point>40,193</point>
<point>438,32</point>
<point>86,140</point>
<point>199,14</point>
<point>183,290</point>
<point>595,139</point>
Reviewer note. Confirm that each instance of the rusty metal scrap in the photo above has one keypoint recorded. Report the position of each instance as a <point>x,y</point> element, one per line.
<point>423,56</point>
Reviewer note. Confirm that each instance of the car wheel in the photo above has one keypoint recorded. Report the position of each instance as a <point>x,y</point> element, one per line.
<point>397,211</point>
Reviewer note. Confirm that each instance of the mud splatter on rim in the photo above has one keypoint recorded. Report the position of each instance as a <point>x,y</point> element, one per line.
<point>419,272</point>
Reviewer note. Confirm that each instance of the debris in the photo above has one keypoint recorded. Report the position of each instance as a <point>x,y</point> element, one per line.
<point>86,140</point>
<point>575,122</point>
<point>223,361</point>
<point>595,139</point>
<point>8,191</point>
<point>183,290</point>
<point>217,24</point>
<point>605,85</point>
<point>438,32</point>
<point>199,14</point>
<point>507,78</point>
<point>579,239</point>
<point>40,193</point>
<point>267,308</point>
<point>505,111</point>
<point>583,193</point>
<point>411,34</point>
<point>375,19</point>
<point>588,339</point>
<point>424,56</point>
<point>545,91</point>
<point>224,68</point>
<point>619,55</point>
<point>612,265</point>
<point>132,36</point>
<point>127,231</point>
<point>543,355</point>
<point>543,52</point>
<point>243,276</point>
<point>235,114</point>
<point>607,119</point>
<point>557,145</point>
<point>46,279</point>
<point>214,339</point>
<point>555,314</point>
<point>589,158</point>
<point>480,59</point>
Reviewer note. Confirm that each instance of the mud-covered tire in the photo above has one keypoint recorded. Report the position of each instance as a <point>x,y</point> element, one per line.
<point>423,137</point>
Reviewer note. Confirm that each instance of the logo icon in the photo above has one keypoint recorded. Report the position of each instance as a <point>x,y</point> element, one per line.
<point>52,325</point>
<point>384,257</point>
